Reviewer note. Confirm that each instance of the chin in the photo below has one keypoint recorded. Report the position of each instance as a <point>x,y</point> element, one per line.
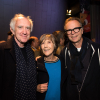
<point>73,40</point>
<point>47,55</point>
<point>24,40</point>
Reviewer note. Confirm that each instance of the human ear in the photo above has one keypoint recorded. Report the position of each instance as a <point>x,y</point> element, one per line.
<point>12,30</point>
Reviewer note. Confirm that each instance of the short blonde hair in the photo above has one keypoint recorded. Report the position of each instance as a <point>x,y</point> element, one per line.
<point>72,18</point>
<point>49,37</point>
<point>14,19</point>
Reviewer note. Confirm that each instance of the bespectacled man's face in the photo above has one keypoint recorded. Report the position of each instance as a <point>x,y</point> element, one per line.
<point>22,31</point>
<point>74,37</point>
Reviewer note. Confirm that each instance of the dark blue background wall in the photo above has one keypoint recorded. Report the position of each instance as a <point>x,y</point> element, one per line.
<point>47,15</point>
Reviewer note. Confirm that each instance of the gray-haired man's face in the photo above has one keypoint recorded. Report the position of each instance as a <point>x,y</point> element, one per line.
<point>22,31</point>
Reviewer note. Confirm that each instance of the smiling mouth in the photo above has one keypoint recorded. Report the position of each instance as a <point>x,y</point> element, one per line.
<point>24,36</point>
<point>73,37</point>
<point>47,50</point>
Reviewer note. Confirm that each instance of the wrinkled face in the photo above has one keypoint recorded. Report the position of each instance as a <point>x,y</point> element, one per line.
<point>74,37</point>
<point>47,47</point>
<point>22,31</point>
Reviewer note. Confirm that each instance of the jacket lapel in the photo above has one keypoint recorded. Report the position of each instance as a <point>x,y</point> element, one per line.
<point>9,46</point>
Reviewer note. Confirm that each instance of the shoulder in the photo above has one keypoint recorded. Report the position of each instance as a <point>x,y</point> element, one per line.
<point>3,45</point>
<point>93,44</point>
<point>7,44</point>
<point>96,44</point>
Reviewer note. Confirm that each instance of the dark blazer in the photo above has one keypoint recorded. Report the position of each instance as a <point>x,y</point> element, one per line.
<point>7,70</point>
<point>43,77</point>
<point>90,88</point>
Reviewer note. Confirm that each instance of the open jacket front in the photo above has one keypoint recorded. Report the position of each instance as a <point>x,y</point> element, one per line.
<point>90,86</point>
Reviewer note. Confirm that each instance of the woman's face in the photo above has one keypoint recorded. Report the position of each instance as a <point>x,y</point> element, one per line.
<point>47,47</point>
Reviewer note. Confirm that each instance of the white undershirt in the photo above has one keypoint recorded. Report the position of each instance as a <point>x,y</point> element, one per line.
<point>78,49</point>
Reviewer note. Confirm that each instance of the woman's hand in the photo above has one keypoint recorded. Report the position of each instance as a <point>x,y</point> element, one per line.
<point>42,87</point>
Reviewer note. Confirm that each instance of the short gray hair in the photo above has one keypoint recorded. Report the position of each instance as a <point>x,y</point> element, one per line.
<point>13,21</point>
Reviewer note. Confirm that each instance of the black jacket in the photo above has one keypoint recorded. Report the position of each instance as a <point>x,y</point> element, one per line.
<point>7,70</point>
<point>43,77</point>
<point>90,87</point>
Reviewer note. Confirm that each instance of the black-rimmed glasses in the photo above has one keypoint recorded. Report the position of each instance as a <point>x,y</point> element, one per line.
<point>76,30</point>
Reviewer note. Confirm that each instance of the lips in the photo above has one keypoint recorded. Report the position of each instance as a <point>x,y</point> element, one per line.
<point>73,37</point>
<point>47,50</point>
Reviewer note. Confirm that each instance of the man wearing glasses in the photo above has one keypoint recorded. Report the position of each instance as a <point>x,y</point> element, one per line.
<point>82,64</point>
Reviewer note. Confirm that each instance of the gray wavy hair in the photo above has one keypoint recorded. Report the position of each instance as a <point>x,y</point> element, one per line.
<point>13,21</point>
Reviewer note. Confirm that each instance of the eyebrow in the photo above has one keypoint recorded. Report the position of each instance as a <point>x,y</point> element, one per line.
<point>74,28</point>
<point>28,27</point>
<point>22,26</point>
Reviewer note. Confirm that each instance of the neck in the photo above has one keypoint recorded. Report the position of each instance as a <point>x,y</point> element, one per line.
<point>78,44</point>
<point>50,58</point>
<point>21,45</point>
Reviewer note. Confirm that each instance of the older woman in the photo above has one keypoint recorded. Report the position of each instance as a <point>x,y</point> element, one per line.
<point>49,70</point>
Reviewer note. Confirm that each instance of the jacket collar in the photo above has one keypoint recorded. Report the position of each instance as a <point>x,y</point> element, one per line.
<point>9,43</point>
<point>9,46</point>
<point>94,47</point>
<point>90,45</point>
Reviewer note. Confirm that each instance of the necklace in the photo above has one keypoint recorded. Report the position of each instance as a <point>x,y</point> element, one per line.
<point>51,59</point>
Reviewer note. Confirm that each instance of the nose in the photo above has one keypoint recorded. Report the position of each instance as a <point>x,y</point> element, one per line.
<point>72,32</point>
<point>24,30</point>
<point>45,45</point>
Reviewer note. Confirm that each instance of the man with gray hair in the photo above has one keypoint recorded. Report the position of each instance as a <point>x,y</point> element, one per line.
<point>17,63</point>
